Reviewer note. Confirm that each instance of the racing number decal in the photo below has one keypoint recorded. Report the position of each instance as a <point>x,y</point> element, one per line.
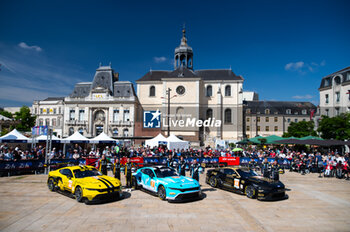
<point>152,183</point>
<point>236,183</point>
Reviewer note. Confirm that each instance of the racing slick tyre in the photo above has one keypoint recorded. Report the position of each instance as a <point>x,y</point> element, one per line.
<point>161,192</point>
<point>78,194</point>
<point>135,184</point>
<point>250,192</point>
<point>51,185</point>
<point>213,182</point>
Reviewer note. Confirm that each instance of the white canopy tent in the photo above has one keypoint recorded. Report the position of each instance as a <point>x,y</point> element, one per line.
<point>176,143</point>
<point>14,137</point>
<point>103,138</point>
<point>156,141</point>
<point>76,138</point>
<point>43,138</point>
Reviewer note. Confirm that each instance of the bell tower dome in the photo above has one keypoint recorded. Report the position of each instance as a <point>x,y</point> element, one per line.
<point>183,54</point>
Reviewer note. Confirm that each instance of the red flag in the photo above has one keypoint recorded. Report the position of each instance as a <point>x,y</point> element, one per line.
<point>312,112</point>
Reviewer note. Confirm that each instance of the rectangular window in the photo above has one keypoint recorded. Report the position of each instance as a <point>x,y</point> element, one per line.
<point>81,115</point>
<point>48,111</point>
<point>327,112</point>
<point>54,111</point>
<point>72,115</point>
<point>116,115</point>
<point>267,119</point>
<point>337,96</point>
<point>267,128</point>
<point>258,119</point>
<point>327,98</point>
<point>59,110</point>
<point>276,119</point>
<point>337,111</point>
<point>258,128</point>
<point>126,115</point>
<point>248,128</point>
<point>296,120</point>
<point>41,110</point>
<point>248,119</point>
<point>276,128</point>
<point>288,120</point>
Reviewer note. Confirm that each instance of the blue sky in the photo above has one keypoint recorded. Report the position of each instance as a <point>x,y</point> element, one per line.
<point>281,48</point>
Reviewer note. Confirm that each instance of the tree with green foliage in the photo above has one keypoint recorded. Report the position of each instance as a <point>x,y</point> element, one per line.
<point>6,113</point>
<point>300,129</point>
<point>25,118</point>
<point>337,127</point>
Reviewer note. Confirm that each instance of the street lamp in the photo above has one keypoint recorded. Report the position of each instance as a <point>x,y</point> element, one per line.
<point>167,92</point>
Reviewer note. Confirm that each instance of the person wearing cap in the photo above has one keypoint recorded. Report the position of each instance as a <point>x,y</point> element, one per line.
<point>102,164</point>
<point>116,169</point>
<point>182,166</point>
<point>194,171</point>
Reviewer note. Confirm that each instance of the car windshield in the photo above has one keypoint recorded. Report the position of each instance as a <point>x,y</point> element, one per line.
<point>246,173</point>
<point>165,172</point>
<point>86,173</point>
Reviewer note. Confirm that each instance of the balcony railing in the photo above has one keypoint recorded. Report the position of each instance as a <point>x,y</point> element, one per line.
<point>121,123</point>
<point>76,122</point>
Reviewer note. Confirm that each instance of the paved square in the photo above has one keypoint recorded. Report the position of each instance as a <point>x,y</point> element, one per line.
<point>314,204</point>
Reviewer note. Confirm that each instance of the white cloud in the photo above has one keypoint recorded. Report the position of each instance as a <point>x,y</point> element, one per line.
<point>294,66</point>
<point>27,47</point>
<point>303,67</point>
<point>307,96</point>
<point>159,59</point>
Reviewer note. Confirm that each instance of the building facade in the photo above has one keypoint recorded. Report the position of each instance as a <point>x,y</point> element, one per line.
<point>266,118</point>
<point>50,112</point>
<point>199,94</point>
<point>103,105</point>
<point>335,93</point>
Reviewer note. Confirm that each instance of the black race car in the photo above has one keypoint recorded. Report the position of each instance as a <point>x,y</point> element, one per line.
<point>246,181</point>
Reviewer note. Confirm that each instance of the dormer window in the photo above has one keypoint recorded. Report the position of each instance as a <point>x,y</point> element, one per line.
<point>288,111</point>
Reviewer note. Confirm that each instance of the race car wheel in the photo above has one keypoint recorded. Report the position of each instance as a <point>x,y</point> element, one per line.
<point>134,183</point>
<point>250,191</point>
<point>78,194</point>
<point>213,182</point>
<point>51,185</point>
<point>161,192</point>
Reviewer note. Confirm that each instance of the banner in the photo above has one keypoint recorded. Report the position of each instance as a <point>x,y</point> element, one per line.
<point>230,161</point>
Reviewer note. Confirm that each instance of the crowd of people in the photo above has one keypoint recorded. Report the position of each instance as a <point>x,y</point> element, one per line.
<point>329,163</point>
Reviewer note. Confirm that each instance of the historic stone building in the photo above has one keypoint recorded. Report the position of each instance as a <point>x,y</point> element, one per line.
<point>199,94</point>
<point>335,93</point>
<point>266,118</point>
<point>105,104</point>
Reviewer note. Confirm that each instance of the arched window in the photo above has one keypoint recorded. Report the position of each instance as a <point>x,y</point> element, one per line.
<point>209,113</point>
<point>47,122</point>
<point>337,80</point>
<point>81,131</point>
<point>70,131</point>
<point>41,122</point>
<point>152,91</point>
<point>179,113</point>
<point>115,132</point>
<point>209,91</point>
<point>267,111</point>
<point>53,122</point>
<point>228,90</point>
<point>228,116</point>
<point>125,132</point>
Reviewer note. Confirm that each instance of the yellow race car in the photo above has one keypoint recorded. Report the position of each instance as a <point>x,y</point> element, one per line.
<point>85,183</point>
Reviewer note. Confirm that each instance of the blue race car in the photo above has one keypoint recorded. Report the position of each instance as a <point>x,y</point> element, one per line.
<point>166,183</point>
